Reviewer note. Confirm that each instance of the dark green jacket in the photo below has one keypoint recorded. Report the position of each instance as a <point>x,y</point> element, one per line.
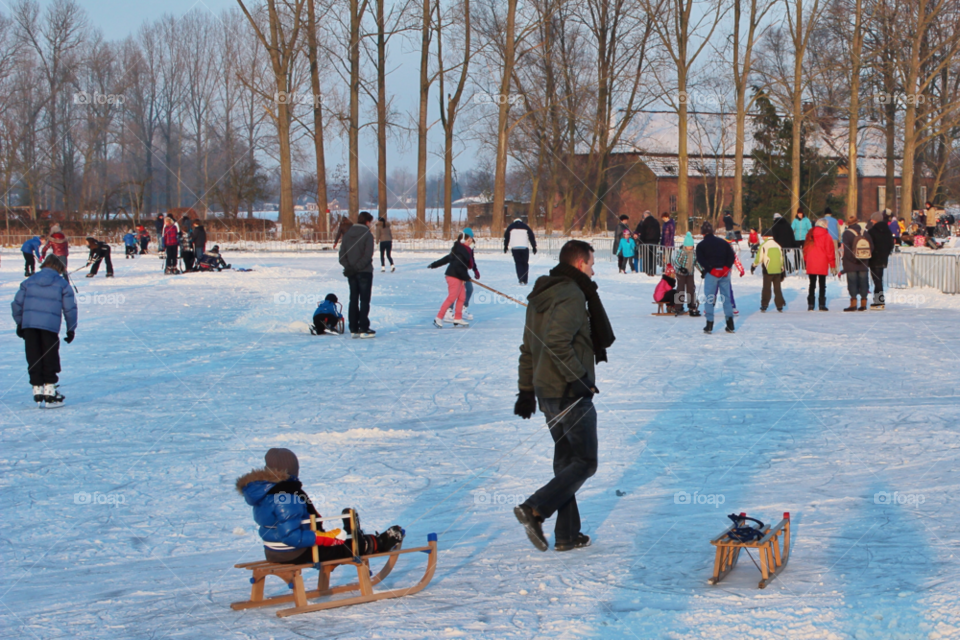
<point>557,348</point>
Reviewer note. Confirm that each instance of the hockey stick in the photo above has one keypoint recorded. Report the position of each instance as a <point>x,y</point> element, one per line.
<point>499,293</point>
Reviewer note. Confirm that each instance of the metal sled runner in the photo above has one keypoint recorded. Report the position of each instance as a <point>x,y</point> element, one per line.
<point>292,575</point>
<point>773,545</point>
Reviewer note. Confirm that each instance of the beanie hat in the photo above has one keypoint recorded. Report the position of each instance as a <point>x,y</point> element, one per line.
<point>688,240</point>
<point>55,228</point>
<point>468,232</point>
<point>706,228</point>
<point>331,297</point>
<point>282,460</point>
<point>827,212</point>
<point>668,269</point>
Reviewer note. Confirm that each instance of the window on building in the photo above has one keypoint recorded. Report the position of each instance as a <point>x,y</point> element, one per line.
<point>898,198</point>
<point>673,204</point>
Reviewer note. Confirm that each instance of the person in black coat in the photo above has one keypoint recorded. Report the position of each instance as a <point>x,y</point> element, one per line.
<point>99,252</point>
<point>783,235</point>
<point>199,239</point>
<point>649,232</point>
<point>458,263</point>
<point>883,243</point>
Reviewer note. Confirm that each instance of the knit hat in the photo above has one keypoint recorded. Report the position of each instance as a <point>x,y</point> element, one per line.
<point>877,216</point>
<point>688,240</point>
<point>668,270</point>
<point>468,232</point>
<point>55,228</point>
<point>827,212</point>
<point>331,297</point>
<point>626,232</point>
<point>282,460</point>
<point>706,229</point>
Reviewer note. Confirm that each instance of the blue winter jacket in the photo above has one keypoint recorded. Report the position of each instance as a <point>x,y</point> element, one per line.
<point>130,240</point>
<point>32,246</point>
<point>283,519</point>
<point>42,299</point>
<point>327,307</point>
<point>833,228</point>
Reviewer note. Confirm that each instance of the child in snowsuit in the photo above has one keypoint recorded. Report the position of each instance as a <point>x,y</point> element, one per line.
<point>770,259</point>
<point>754,241</point>
<point>666,288</point>
<point>99,252</point>
<point>37,308</point>
<point>31,254</point>
<point>143,238</point>
<point>282,510</point>
<point>327,317</point>
<point>458,262</point>
<point>212,260</point>
<point>685,263</point>
<point>130,246</point>
<point>625,251</point>
<point>58,243</point>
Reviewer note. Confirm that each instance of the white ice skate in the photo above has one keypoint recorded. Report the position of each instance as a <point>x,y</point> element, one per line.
<point>53,397</point>
<point>38,396</point>
<point>461,323</point>
<point>382,269</point>
<point>393,268</point>
<point>438,323</point>
<point>467,316</point>
<point>448,316</point>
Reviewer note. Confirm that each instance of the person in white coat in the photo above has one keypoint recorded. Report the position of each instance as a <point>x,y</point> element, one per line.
<point>519,239</point>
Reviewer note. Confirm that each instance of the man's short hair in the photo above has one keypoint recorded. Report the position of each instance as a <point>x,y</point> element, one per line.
<point>624,217</point>
<point>574,251</point>
<point>364,217</point>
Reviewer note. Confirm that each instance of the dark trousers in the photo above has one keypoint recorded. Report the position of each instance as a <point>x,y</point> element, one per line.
<point>858,284</point>
<point>814,279</point>
<point>171,257</point>
<point>43,355</point>
<point>622,263</point>
<point>199,249</point>
<point>574,460</point>
<point>876,273</point>
<point>143,245</point>
<point>386,249</point>
<point>358,315</point>
<point>686,292</point>
<point>521,259</point>
<point>648,255</point>
<point>29,264</point>
<point>105,257</point>
<point>131,251</point>
<point>772,280</point>
<point>188,258</point>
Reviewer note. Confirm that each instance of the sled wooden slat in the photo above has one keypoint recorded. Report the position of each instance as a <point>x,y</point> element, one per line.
<point>773,548</point>
<point>292,575</point>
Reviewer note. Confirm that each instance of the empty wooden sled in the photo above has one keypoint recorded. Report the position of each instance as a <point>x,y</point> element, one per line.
<point>773,547</point>
<point>293,576</point>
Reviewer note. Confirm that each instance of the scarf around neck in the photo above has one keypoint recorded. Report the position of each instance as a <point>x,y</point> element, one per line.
<point>601,333</point>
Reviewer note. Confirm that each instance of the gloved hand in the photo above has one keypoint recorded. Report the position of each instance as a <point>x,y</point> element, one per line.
<point>476,274</point>
<point>534,252</point>
<point>753,269</point>
<point>582,388</point>
<point>526,404</point>
<point>331,538</point>
<point>19,331</point>
<point>69,337</point>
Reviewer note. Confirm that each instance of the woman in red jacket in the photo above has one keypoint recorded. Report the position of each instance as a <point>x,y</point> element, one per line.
<point>58,242</point>
<point>171,240</point>
<point>820,258</point>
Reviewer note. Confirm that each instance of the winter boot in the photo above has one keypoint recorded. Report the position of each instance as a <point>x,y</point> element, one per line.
<point>38,396</point>
<point>853,305</point>
<point>694,313</point>
<point>823,305</point>
<point>809,306</point>
<point>730,328</point>
<point>390,539</point>
<point>709,327</point>
<point>52,397</point>
<point>579,542</point>
<point>863,303</point>
<point>91,275</point>
<point>533,526</point>
<point>346,521</point>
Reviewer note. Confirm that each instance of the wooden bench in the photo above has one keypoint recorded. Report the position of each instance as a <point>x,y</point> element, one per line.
<point>292,574</point>
<point>774,548</point>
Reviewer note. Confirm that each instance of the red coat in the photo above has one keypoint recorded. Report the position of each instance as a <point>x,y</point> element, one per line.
<point>57,242</point>
<point>819,252</point>
<point>170,238</point>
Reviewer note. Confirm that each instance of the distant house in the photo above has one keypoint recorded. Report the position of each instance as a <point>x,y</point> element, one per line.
<point>480,214</point>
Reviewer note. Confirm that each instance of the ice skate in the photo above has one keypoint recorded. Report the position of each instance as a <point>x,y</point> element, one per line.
<point>52,396</point>
<point>38,396</point>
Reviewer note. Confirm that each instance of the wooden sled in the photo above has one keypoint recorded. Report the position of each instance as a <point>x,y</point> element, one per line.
<point>773,557</point>
<point>662,310</point>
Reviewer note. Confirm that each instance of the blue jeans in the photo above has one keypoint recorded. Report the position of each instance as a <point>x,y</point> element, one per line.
<point>712,286</point>
<point>858,283</point>
<point>574,461</point>
<point>469,288</point>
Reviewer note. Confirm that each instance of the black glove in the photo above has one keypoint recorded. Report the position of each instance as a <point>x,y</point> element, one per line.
<point>526,404</point>
<point>69,337</point>
<point>752,269</point>
<point>582,388</point>
<point>534,252</point>
<point>349,272</point>
<point>19,331</point>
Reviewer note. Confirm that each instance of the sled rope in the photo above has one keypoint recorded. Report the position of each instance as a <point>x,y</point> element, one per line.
<point>495,463</point>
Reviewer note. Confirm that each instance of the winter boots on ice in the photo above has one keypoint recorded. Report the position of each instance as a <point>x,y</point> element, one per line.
<point>730,328</point>
<point>709,327</point>
<point>533,526</point>
<point>853,305</point>
<point>579,542</point>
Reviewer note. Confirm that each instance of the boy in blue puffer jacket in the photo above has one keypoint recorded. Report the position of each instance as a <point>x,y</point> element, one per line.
<point>282,510</point>
<point>31,248</point>
<point>327,317</point>
<point>42,299</point>
<point>130,245</point>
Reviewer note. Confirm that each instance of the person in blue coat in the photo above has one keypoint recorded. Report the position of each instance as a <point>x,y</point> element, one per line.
<point>282,511</point>
<point>42,300</point>
<point>130,245</point>
<point>327,317</point>
<point>30,249</point>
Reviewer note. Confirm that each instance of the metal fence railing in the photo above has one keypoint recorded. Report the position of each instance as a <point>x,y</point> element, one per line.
<point>939,271</point>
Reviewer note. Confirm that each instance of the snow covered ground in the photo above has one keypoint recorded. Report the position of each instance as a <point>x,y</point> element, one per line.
<point>120,518</point>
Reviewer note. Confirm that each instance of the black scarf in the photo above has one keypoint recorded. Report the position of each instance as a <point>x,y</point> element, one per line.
<point>601,333</point>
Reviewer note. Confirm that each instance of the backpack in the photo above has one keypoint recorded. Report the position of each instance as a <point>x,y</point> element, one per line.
<point>861,248</point>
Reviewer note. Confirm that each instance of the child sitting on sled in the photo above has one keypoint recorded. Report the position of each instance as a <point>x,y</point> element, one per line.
<point>282,510</point>
<point>327,317</point>
<point>212,260</point>
<point>666,288</point>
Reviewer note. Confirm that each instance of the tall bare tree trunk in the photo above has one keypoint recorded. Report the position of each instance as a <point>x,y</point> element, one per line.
<point>856,51</point>
<point>381,112</point>
<point>317,117</point>
<point>421,225</point>
<point>500,174</point>
<point>353,195</point>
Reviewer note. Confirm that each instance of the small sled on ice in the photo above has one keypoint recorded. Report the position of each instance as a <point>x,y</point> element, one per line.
<point>292,574</point>
<point>773,545</point>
